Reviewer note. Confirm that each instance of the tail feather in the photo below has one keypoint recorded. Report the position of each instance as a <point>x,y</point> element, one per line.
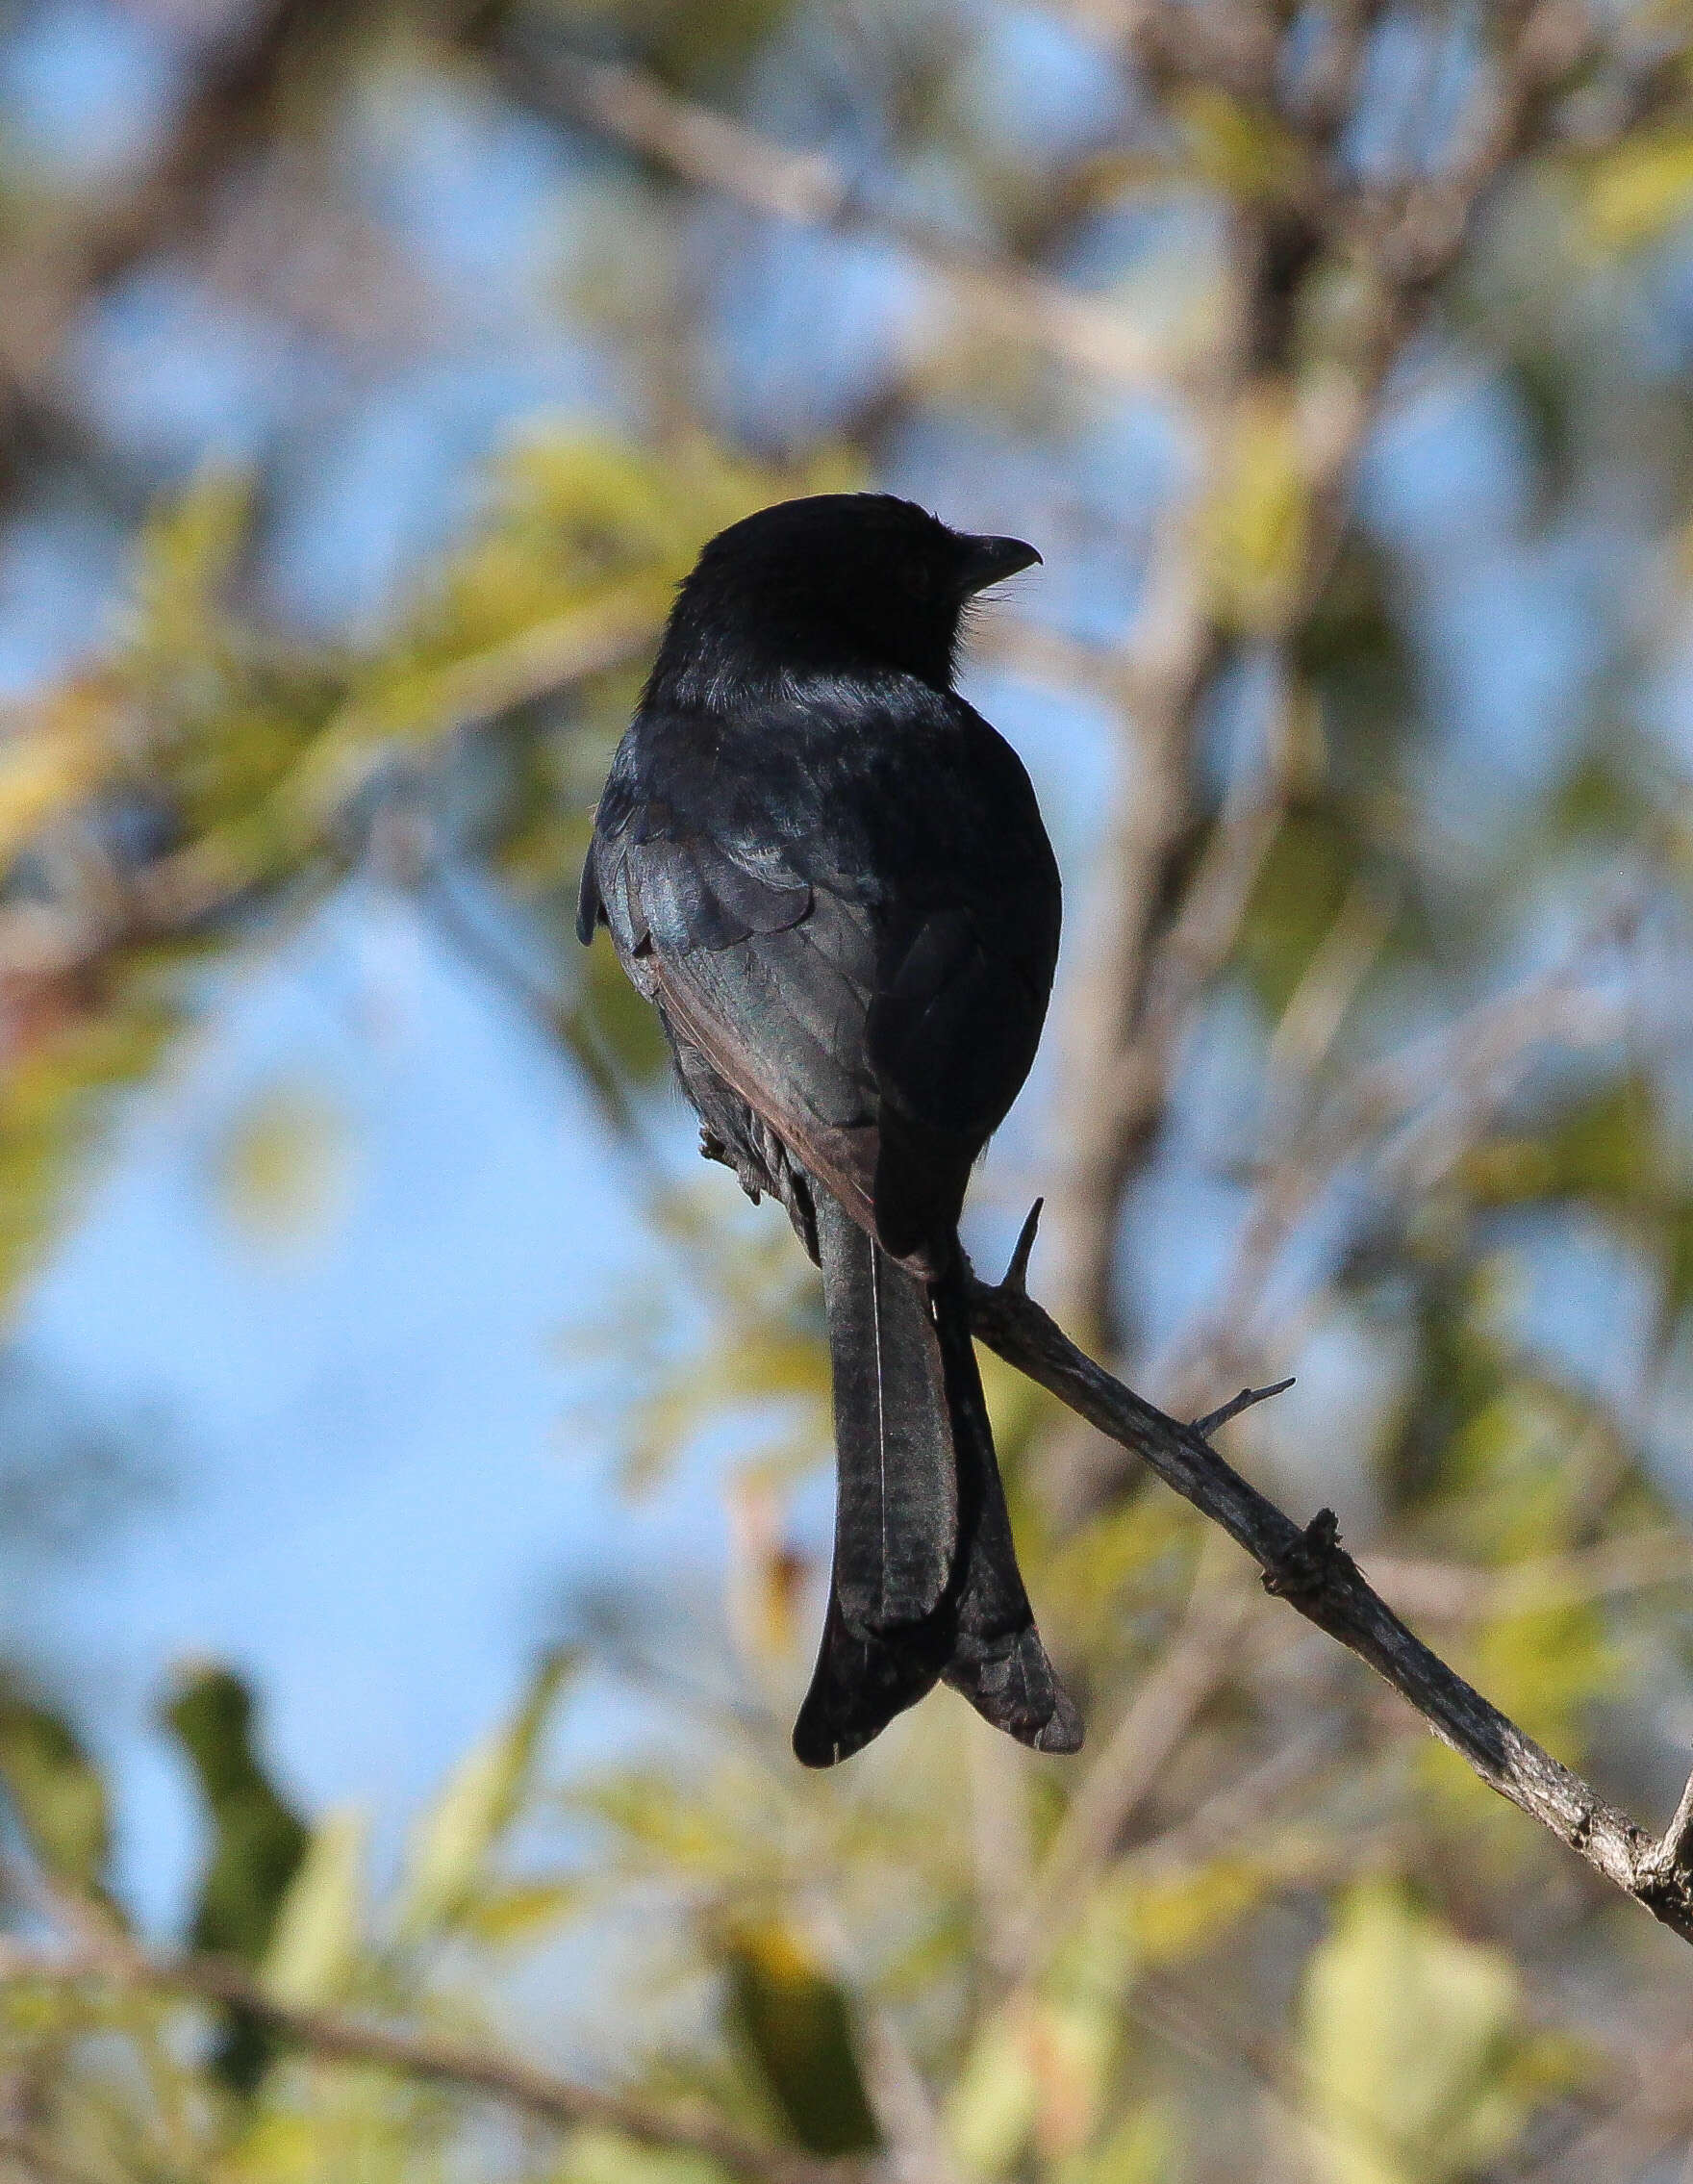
<point>862,1680</point>
<point>997,1662</point>
<point>896,1518</point>
<point>888,1633</point>
<point>925,1582</point>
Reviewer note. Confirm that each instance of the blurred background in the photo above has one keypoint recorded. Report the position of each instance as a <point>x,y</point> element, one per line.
<point>415,1489</point>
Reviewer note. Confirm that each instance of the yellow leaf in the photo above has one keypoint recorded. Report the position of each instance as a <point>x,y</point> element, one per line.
<point>1252,533</point>
<point>1243,149</point>
<point>1637,192</point>
<point>451,1845</point>
<point>285,1167</point>
<point>1405,2040</point>
<point>320,1922</point>
<point>505,1918</point>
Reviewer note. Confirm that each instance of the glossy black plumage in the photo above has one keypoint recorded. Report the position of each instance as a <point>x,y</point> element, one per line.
<point>830,877</point>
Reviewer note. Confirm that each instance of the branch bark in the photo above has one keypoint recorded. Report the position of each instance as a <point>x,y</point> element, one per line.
<point>1307,1567</point>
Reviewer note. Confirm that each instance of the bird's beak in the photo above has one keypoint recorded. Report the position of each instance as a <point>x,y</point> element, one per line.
<point>988,561</point>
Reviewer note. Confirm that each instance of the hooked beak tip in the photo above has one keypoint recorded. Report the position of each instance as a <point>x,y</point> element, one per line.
<point>990,560</point>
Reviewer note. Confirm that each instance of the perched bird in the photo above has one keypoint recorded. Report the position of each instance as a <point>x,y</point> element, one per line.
<point>830,877</point>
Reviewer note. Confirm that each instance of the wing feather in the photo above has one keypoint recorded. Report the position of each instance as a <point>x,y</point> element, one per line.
<point>880,1031</point>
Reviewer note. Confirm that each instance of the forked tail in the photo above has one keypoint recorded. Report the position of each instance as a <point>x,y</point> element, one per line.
<point>925,1585</point>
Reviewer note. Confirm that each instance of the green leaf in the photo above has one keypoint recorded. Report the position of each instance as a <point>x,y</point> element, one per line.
<point>1606,1152</point>
<point>320,1922</point>
<point>183,559</point>
<point>56,1792</point>
<point>509,1918</point>
<point>1407,2040</point>
<point>991,2110</point>
<point>450,1847</point>
<point>795,2023</point>
<point>258,1840</point>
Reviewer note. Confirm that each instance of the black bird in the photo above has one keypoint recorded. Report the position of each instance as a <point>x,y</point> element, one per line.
<point>830,877</point>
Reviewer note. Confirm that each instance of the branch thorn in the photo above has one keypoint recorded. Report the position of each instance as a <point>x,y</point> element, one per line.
<point>1017,1273</point>
<point>1206,1426</point>
<point>1676,1850</point>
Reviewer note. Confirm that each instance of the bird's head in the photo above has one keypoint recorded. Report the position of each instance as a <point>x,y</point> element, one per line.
<point>842,582</point>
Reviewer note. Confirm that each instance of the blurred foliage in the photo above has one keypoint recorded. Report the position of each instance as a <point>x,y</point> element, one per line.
<point>258,1845</point>
<point>795,2026</point>
<point>1407,2042</point>
<point>56,1792</point>
<point>1263,1930</point>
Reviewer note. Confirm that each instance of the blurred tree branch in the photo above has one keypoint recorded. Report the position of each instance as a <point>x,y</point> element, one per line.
<point>98,1955</point>
<point>1158,935</point>
<point>1419,1109</point>
<point>1010,299</point>
<point>45,277</point>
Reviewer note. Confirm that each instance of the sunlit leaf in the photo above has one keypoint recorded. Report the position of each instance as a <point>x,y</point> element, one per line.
<point>1405,2043</point>
<point>994,2098</point>
<point>56,1791</point>
<point>452,1842</point>
<point>1636,190</point>
<point>319,1924</point>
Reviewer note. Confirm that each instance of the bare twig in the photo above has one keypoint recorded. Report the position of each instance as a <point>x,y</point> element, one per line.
<point>1248,1397</point>
<point>1677,1837</point>
<point>1310,1569</point>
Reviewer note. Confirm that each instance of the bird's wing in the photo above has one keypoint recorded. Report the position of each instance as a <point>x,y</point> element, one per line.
<point>861,945</point>
<point>769,974</point>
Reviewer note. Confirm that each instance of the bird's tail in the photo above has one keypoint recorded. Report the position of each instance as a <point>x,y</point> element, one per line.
<point>925,1585</point>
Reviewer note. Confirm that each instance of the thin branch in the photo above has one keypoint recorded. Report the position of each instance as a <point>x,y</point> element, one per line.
<point>331,2036</point>
<point>715,152</point>
<point>1241,1807</point>
<point>1414,1112</point>
<point>1016,1272</point>
<point>1310,1569</point>
<point>1677,1837</point>
<point>1206,1426</point>
<point>1452,1592</point>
